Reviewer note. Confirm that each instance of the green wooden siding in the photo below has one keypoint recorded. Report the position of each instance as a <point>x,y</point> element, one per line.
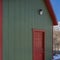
<point>19,18</point>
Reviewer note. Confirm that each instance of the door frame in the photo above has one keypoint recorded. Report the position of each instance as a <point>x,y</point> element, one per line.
<point>1,18</point>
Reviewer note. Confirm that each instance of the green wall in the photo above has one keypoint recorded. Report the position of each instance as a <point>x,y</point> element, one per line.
<point>19,18</point>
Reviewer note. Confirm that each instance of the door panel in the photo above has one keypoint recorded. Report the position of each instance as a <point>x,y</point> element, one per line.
<point>38,45</point>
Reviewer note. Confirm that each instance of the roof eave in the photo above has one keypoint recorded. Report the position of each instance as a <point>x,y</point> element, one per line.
<point>51,12</point>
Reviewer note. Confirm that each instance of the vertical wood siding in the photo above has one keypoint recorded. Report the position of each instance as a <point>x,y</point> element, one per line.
<point>19,17</point>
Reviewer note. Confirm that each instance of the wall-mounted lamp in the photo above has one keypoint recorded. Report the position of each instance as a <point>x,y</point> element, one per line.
<point>40,11</point>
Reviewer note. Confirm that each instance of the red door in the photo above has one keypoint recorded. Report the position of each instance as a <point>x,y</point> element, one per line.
<point>38,45</point>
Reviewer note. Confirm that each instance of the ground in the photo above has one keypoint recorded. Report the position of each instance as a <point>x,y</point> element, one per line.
<point>56,57</point>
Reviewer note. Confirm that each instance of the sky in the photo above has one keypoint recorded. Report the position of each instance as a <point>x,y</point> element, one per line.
<point>56,8</point>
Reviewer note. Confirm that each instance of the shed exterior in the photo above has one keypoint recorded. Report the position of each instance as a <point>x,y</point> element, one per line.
<point>20,18</point>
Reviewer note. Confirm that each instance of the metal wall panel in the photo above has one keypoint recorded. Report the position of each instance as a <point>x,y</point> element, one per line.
<point>19,17</point>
